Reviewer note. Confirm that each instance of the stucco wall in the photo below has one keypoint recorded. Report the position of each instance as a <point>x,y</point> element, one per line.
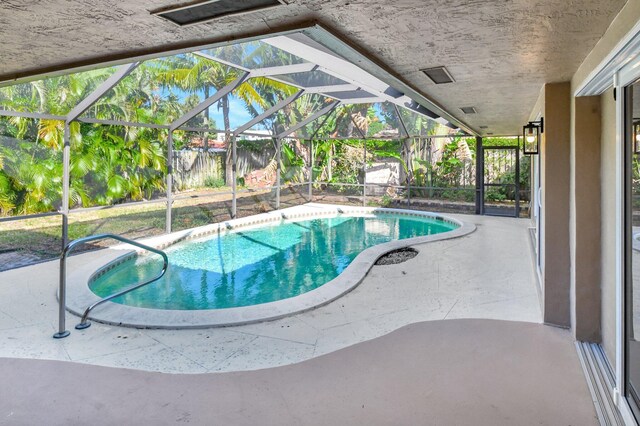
<point>623,23</point>
<point>585,218</point>
<point>556,151</point>
<point>554,104</point>
<point>608,224</point>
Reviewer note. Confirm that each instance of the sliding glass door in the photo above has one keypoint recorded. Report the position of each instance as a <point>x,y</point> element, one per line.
<point>631,294</point>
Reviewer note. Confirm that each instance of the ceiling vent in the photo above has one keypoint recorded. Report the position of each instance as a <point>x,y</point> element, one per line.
<point>468,110</point>
<point>484,127</point>
<point>202,11</point>
<point>439,75</point>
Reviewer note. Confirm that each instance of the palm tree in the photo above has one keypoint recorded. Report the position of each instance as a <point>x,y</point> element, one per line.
<point>108,163</point>
<point>111,164</point>
<point>197,75</point>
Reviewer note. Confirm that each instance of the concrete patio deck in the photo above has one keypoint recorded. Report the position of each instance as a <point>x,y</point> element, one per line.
<point>487,274</point>
<point>414,343</point>
<point>459,372</point>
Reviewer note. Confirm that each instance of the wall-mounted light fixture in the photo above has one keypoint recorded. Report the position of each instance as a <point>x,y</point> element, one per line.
<point>636,136</point>
<point>531,134</point>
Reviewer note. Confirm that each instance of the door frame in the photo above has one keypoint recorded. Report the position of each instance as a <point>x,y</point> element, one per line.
<point>627,283</point>
<point>618,68</point>
<point>623,78</point>
<point>537,211</point>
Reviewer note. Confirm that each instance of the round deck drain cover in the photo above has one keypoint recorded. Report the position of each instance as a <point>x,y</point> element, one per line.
<point>397,256</point>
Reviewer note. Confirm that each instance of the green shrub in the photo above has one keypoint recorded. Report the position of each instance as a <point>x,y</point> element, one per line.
<point>386,201</point>
<point>214,182</point>
<point>495,195</point>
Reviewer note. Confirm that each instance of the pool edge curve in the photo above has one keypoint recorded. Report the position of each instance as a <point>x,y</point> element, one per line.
<point>79,295</point>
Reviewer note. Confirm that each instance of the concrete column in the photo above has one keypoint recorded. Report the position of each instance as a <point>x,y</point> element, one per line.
<point>555,177</point>
<point>585,219</point>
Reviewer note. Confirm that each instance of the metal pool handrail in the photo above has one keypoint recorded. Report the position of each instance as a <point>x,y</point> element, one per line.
<point>62,332</point>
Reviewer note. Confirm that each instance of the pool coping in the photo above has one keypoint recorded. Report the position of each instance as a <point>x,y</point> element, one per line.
<point>79,296</point>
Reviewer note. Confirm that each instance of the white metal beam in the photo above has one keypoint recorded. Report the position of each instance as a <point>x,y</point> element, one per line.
<point>259,135</point>
<point>330,64</point>
<point>34,115</point>
<point>347,71</point>
<point>277,107</point>
<point>326,118</point>
<point>357,101</point>
<point>222,61</point>
<point>41,116</point>
<point>402,125</point>
<point>200,129</point>
<point>274,72</point>
<point>284,69</point>
<point>100,91</point>
<point>332,89</point>
<point>210,101</point>
<point>324,40</point>
<point>311,118</point>
<point>122,123</point>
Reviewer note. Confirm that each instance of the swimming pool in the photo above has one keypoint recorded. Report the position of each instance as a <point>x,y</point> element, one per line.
<point>274,261</point>
<point>263,273</point>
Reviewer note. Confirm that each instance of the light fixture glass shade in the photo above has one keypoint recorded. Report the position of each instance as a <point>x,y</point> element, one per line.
<point>531,139</point>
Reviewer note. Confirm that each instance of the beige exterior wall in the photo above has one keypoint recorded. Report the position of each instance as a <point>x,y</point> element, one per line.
<point>606,293</point>
<point>593,248</point>
<point>608,225</point>
<point>585,218</point>
<point>555,174</point>
<point>554,105</point>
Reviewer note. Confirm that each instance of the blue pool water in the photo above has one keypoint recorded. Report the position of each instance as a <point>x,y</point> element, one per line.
<point>258,265</point>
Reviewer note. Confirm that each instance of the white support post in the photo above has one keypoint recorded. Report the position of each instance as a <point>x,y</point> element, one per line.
<point>364,174</point>
<point>64,210</point>
<point>66,183</point>
<point>279,160</point>
<point>310,170</point>
<point>169,212</point>
<point>234,168</point>
<point>408,149</point>
<point>429,145</point>
<point>62,293</point>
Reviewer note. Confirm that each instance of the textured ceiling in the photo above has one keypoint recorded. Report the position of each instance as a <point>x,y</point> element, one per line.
<point>500,52</point>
